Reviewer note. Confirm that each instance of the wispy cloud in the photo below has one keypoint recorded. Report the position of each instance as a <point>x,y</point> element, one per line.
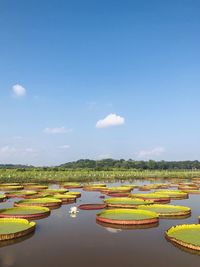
<point>157,151</point>
<point>91,105</point>
<point>17,137</point>
<point>18,90</point>
<point>12,150</point>
<point>29,150</point>
<point>110,121</point>
<point>57,130</point>
<point>7,150</point>
<point>65,147</point>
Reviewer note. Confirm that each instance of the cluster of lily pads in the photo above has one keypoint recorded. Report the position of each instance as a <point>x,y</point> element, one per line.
<point>127,209</point>
<point>123,208</point>
<point>36,203</point>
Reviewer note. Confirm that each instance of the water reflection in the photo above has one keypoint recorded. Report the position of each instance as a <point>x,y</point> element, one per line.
<point>73,215</point>
<point>175,217</point>
<point>127,227</point>
<point>112,230</point>
<point>188,250</point>
<point>15,241</point>
<point>8,260</point>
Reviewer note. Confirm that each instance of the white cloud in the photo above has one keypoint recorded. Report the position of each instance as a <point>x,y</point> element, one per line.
<point>157,151</point>
<point>65,147</point>
<point>57,130</point>
<point>18,90</point>
<point>110,120</point>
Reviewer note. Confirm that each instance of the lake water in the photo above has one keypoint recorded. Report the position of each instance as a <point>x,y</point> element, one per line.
<point>60,241</point>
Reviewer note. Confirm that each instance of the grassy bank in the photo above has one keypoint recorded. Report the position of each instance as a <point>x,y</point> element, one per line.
<point>37,175</point>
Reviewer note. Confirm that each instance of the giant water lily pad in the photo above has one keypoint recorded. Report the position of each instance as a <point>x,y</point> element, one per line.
<point>5,187</point>
<point>22,194</point>
<point>24,212</point>
<point>36,187</point>
<point>164,210</point>
<point>192,191</point>
<point>117,189</point>
<point>132,186</point>
<point>9,184</point>
<point>94,187</point>
<point>97,184</point>
<point>65,198</point>
<point>72,185</point>
<point>44,202</point>
<point>188,187</point>
<point>125,202</point>
<point>96,206</point>
<point>187,235</point>
<point>55,191</point>
<point>173,194</point>
<point>11,228</point>
<point>74,193</point>
<point>127,216</point>
<point>158,198</point>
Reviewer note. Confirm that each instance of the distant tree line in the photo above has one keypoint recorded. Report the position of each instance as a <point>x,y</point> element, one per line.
<point>15,166</point>
<point>106,164</point>
<point>112,164</point>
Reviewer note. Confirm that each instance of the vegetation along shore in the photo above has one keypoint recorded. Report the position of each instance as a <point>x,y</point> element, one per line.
<point>101,170</point>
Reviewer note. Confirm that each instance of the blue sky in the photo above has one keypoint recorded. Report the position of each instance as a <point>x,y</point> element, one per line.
<point>96,79</point>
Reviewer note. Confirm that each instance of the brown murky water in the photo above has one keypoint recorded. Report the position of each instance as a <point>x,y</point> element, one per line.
<point>60,241</point>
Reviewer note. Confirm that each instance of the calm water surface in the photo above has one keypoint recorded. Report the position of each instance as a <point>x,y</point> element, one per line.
<point>60,240</point>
